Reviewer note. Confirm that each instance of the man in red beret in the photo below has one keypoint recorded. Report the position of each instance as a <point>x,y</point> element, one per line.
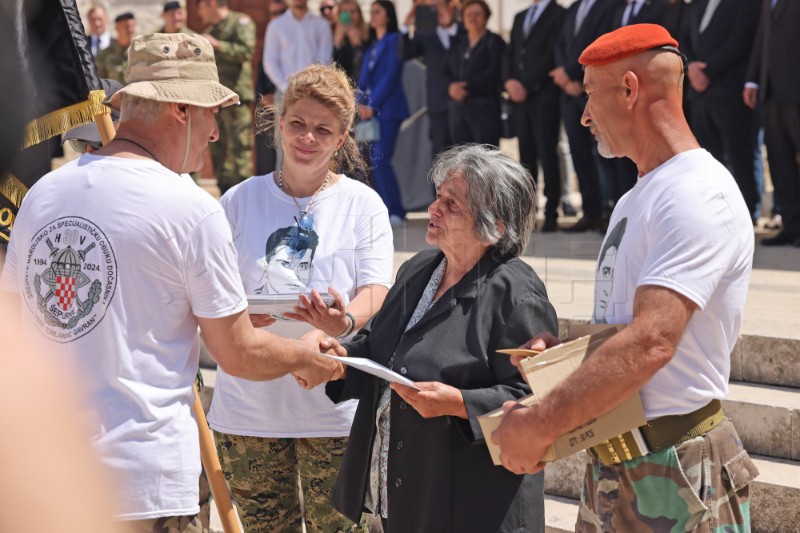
<point>675,269</point>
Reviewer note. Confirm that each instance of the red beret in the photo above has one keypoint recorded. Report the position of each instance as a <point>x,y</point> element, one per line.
<point>627,41</point>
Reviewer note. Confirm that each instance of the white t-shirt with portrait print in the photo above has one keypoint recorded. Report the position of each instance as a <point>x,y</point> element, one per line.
<point>683,226</point>
<point>114,259</point>
<point>351,246</point>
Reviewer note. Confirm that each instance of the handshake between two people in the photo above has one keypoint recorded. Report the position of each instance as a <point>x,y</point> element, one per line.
<point>320,369</point>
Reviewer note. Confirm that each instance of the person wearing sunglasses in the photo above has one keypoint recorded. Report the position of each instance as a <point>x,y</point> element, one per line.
<point>328,11</point>
<point>305,229</point>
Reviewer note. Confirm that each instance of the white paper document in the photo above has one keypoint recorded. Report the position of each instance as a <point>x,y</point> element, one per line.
<point>376,369</point>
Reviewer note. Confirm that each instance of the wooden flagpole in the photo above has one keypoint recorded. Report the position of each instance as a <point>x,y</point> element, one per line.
<point>208,453</point>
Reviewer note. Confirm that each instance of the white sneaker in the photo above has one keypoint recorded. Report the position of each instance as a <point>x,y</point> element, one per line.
<point>397,221</point>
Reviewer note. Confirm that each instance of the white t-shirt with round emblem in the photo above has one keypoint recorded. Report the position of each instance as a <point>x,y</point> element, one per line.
<point>113,259</point>
<point>351,246</point>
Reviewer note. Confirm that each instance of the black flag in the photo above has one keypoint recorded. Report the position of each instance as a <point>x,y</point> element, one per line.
<point>48,64</point>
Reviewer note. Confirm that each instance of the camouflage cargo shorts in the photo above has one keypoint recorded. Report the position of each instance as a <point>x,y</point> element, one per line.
<point>700,485</point>
<point>263,476</point>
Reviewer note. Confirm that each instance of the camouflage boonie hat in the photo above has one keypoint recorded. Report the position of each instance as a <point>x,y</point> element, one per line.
<point>175,68</point>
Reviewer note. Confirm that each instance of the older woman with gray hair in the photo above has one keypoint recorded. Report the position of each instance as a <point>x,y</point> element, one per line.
<point>415,457</point>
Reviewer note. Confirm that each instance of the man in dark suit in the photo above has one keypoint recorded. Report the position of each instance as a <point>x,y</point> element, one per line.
<point>718,40</point>
<point>433,47</point>
<point>618,175</point>
<point>584,22</point>
<point>773,76</point>
<point>527,62</point>
<point>629,12</point>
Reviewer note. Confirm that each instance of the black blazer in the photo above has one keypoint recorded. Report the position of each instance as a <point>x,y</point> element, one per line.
<point>570,46</point>
<point>725,44</point>
<point>774,61</point>
<point>530,60</point>
<point>481,67</point>
<point>434,55</point>
<point>440,474</point>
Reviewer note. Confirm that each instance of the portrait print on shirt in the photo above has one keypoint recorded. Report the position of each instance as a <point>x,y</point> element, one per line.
<point>286,267</point>
<point>70,278</point>
<point>604,278</point>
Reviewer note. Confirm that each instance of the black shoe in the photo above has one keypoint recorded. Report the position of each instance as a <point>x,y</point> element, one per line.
<point>586,224</point>
<point>568,209</point>
<point>782,239</point>
<point>550,225</point>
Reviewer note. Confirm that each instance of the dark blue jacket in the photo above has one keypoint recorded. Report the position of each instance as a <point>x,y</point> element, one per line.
<point>381,79</point>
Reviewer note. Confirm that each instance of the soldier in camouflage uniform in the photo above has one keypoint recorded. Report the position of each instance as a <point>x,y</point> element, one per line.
<point>174,16</point>
<point>233,36</point>
<point>112,62</point>
<point>675,268</point>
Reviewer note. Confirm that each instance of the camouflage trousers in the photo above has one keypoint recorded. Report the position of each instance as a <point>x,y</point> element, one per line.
<point>166,524</point>
<point>700,485</point>
<point>231,155</point>
<point>263,476</point>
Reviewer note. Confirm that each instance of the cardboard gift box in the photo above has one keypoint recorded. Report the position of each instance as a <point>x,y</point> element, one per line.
<point>546,370</point>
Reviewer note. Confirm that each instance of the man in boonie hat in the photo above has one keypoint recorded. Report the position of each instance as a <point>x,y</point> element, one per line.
<point>678,278</point>
<point>119,258</point>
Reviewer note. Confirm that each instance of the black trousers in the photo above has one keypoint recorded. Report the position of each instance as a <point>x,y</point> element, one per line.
<point>474,122</point>
<point>725,127</point>
<point>439,132</point>
<point>536,123</point>
<point>582,146</point>
<point>782,137</point>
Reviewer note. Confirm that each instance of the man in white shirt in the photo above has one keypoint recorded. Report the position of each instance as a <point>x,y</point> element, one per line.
<point>675,267</point>
<point>295,40</point>
<point>119,257</point>
<point>99,36</point>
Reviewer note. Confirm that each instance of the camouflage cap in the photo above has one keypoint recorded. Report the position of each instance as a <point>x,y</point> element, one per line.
<point>176,68</point>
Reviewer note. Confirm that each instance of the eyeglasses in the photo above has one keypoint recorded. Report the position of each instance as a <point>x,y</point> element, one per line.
<point>300,240</point>
<point>79,145</point>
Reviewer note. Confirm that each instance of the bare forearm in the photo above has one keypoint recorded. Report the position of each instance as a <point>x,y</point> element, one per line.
<point>249,353</point>
<point>614,373</point>
<point>269,356</point>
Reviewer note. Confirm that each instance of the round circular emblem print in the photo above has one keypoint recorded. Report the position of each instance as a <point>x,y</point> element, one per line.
<point>70,278</point>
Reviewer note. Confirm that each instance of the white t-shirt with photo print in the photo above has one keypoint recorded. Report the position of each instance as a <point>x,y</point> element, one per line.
<point>351,246</point>
<point>683,226</point>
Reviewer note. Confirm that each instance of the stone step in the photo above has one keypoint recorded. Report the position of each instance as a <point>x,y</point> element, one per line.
<point>559,514</point>
<point>767,418</point>
<point>767,360</point>
<point>755,358</point>
<point>775,494</point>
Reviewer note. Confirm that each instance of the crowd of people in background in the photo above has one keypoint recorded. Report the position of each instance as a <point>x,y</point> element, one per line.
<point>474,77</point>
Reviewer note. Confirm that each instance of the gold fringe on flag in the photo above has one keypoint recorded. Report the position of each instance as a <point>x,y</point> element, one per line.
<point>13,189</point>
<point>62,120</point>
